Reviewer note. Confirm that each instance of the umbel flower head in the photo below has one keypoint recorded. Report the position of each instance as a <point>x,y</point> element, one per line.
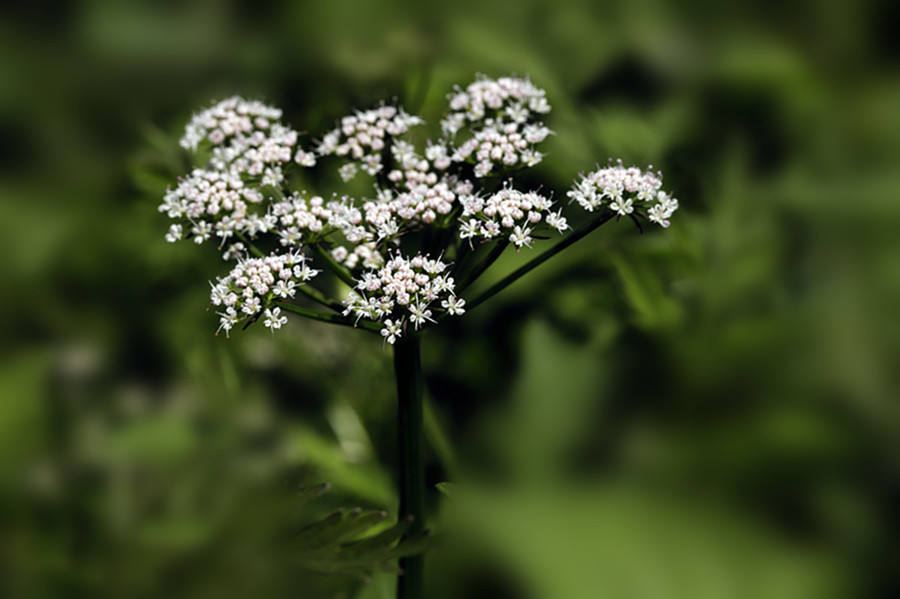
<point>401,248</point>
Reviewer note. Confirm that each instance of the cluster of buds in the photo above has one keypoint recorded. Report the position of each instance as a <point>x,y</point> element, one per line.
<point>227,198</point>
<point>502,117</point>
<point>296,214</point>
<point>211,201</point>
<point>228,119</point>
<point>246,138</point>
<point>439,195</point>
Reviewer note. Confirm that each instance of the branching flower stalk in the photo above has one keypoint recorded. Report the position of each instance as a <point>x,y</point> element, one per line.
<point>437,218</point>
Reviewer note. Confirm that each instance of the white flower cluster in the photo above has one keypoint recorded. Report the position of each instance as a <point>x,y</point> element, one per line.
<point>213,202</point>
<point>404,291</point>
<point>502,117</point>
<point>361,137</point>
<point>423,203</point>
<point>621,187</point>
<point>508,212</point>
<point>254,283</point>
<point>257,144</point>
<point>261,154</point>
<point>296,214</point>
<point>423,190</point>
<point>250,150</point>
<point>366,254</point>
<point>420,192</point>
<point>412,170</point>
<point>241,198</point>
<point>227,119</point>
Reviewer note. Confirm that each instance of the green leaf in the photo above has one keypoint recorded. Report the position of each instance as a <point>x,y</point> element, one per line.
<point>319,533</point>
<point>352,543</point>
<point>448,490</point>
<point>306,495</point>
<point>652,305</point>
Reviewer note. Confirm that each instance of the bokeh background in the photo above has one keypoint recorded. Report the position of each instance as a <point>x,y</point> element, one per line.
<point>705,412</point>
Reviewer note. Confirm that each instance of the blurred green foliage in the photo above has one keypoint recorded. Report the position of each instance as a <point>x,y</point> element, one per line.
<point>709,411</point>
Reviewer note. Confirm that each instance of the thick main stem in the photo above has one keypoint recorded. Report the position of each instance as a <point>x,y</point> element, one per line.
<point>408,371</point>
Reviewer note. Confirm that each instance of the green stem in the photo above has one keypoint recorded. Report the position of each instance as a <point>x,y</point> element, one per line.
<point>408,372</point>
<point>482,266</point>
<point>332,265</point>
<point>511,278</point>
<point>331,318</point>
<point>251,246</point>
<point>315,295</point>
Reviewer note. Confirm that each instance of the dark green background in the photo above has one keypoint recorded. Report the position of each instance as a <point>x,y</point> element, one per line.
<point>707,411</point>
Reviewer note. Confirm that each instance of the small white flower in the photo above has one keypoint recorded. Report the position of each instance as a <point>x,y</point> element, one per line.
<point>273,319</point>
<point>483,168</point>
<point>290,236</point>
<point>420,313</point>
<point>388,229</point>
<point>371,164</point>
<point>391,331</point>
<point>534,134</point>
<point>272,176</point>
<point>228,319</point>
<point>490,229</point>
<point>339,253</point>
<point>234,251</point>
<point>174,234</point>
<point>658,214</point>
<point>622,206</point>
<point>348,171</point>
<point>251,307</point>
<point>454,305</point>
<point>557,221</point>
<point>521,236</point>
<point>284,289</point>
<point>218,293</point>
<point>531,158</point>
<point>517,112</point>
<point>470,228</point>
<point>201,231</point>
<point>304,158</point>
<point>304,272</point>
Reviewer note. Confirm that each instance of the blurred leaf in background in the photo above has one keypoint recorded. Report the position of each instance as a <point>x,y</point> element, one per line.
<point>706,411</point>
